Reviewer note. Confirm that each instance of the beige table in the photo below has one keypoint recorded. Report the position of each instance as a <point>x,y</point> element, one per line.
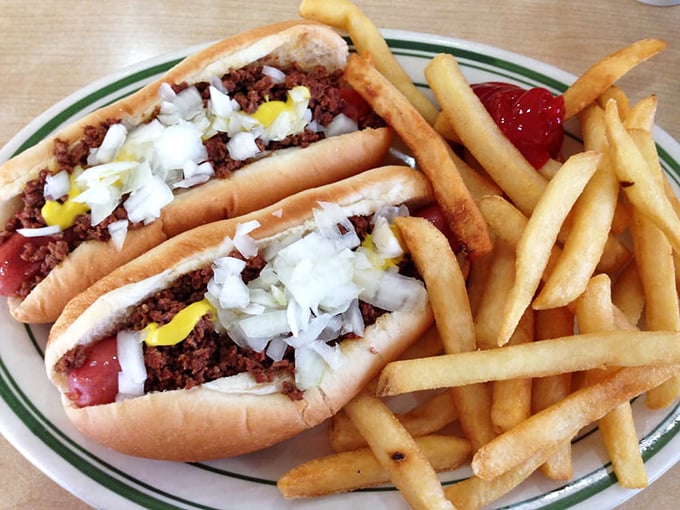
<point>51,48</point>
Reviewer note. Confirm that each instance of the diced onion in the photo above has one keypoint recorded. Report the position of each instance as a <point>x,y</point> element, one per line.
<point>242,146</point>
<point>145,204</point>
<point>340,125</point>
<point>274,73</point>
<point>309,367</point>
<point>57,185</point>
<point>118,231</point>
<point>385,240</point>
<point>132,373</point>
<point>111,144</point>
<point>39,232</point>
<point>243,242</point>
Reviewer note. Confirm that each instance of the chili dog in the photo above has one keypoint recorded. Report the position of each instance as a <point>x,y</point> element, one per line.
<point>244,332</point>
<point>230,129</point>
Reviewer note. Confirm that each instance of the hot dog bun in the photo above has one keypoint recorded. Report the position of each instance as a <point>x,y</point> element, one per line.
<point>251,187</point>
<point>204,423</point>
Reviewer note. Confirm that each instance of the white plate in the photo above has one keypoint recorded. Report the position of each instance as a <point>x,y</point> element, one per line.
<point>31,417</point>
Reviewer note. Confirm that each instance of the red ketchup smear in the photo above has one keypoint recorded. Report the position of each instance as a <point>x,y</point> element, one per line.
<point>530,119</point>
<point>14,270</point>
<point>354,106</point>
<point>433,213</point>
<point>96,381</point>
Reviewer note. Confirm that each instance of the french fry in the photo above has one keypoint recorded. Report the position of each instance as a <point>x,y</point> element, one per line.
<point>398,453</point>
<point>591,222</point>
<point>535,359</point>
<point>429,149</point>
<point>561,421</point>
<point>642,115</point>
<point>548,390</point>
<point>615,92</point>
<point>627,293</point>
<point>594,312</point>
<point>427,417</point>
<point>475,493</point>
<point>477,278</point>
<point>492,301</point>
<point>481,136</point>
<point>537,240</point>
<point>351,470</point>
<point>345,15</point>
<point>445,284</point>
<point>511,398</point>
<point>639,183</point>
<point>604,73</point>
<point>429,344</point>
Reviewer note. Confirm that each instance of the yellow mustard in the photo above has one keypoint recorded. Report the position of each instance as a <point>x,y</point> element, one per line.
<point>268,111</point>
<point>180,326</point>
<point>64,215</point>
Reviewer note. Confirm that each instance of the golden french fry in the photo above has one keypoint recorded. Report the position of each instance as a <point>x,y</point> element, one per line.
<point>657,274</point>
<point>591,217</point>
<point>345,15</point>
<point>536,359</point>
<point>550,168</point>
<point>553,323</point>
<point>398,453</point>
<point>427,417</point>
<point>446,289</point>
<point>642,115</point>
<point>481,136</point>
<point>431,153</point>
<point>539,236</point>
<point>601,75</point>
<point>595,312</point>
<point>492,301</point>
<point>639,182</point>
<point>477,278</point>
<point>478,184</point>
<point>475,493</point>
<point>511,398</point>
<point>437,264</point>
<point>627,293</point>
<point>444,128</point>
<point>351,470</point>
<point>615,92</point>
<point>561,421</point>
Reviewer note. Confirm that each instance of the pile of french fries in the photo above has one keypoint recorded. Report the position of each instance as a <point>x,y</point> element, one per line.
<point>565,309</point>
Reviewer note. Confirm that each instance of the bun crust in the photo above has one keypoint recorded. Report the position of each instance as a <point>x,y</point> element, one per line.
<point>205,423</point>
<point>284,173</point>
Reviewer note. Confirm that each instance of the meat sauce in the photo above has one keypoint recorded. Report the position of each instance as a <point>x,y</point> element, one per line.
<point>19,274</point>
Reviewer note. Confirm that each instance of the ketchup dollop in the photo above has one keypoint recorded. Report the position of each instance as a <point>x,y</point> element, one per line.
<point>530,119</point>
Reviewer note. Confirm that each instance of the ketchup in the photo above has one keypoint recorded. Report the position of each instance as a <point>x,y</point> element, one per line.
<point>14,269</point>
<point>530,119</point>
<point>96,381</point>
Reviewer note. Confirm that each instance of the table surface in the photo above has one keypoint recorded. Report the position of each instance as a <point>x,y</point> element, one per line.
<point>54,47</point>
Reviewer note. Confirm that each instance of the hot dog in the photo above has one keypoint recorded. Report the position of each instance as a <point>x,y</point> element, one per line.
<point>300,304</point>
<point>230,129</point>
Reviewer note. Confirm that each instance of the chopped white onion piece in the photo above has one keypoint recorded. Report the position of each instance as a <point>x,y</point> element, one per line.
<point>145,203</point>
<point>166,93</point>
<point>178,144</point>
<point>39,232</point>
<point>385,240</point>
<point>118,231</point>
<point>278,213</point>
<point>242,146</point>
<point>244,384</point>
<point>397,292</point>
<point>277,349</point>
<point>242,241</point>
<point>267,325</point>
<point>331,354</point>
<point>111,144</point>
<point>341,125</point>
<point>328,220</point>
<point>220,103</point>
<point>274,73</point>
<point>309,367</point>
<point>131,358</point>
<point>57,185</point>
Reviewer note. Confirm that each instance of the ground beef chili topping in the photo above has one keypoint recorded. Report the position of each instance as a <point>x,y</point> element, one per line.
<point>249,86</point>
<point>206,355</point>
